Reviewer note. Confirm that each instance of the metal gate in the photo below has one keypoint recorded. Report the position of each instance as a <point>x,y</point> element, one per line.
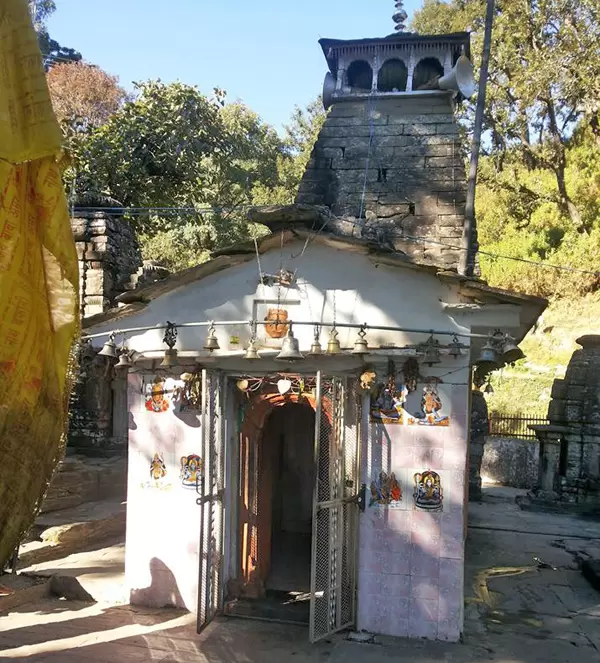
<point>210,498</point>
<point>335,507</point>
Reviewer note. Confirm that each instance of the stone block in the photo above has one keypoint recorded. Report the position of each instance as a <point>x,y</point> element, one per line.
<point>422,119</point>
<point>558,389</point>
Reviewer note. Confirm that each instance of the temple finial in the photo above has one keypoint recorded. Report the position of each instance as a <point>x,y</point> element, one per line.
<point>400,16</point>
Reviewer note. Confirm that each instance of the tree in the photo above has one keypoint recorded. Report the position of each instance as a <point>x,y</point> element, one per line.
<point>84,96</point>
<point>543,78</point>
<point>189,163</point>
<point>300,137</point>
<point>52,51</point>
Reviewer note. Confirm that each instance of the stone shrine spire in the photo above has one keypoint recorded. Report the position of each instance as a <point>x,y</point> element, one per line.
<point>400,16</point>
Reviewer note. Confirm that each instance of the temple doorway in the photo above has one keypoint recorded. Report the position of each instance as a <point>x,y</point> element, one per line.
<point>294,552</point>
<point>277,478</point>
<point>288,437</point>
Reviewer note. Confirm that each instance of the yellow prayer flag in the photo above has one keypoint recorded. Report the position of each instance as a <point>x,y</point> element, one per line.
<point>39,297</point>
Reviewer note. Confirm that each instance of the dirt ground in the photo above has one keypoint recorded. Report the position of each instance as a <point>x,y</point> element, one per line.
<point>525,602</point>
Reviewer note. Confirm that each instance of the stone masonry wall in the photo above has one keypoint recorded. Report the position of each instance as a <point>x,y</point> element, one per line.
<point>395,167</point>
<point>109,259</point>
<point>576,406</point>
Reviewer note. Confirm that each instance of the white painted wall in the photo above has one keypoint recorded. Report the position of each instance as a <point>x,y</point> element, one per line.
<point>363,291</point>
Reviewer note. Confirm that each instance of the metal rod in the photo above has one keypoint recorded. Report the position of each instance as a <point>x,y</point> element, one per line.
<point>466,265</point>
<point>344,325</point>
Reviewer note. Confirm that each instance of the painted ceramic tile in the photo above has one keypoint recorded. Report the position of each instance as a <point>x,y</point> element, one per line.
<point>387,402</point>
<point>157,395</point>
<point>428,494</point>
<point>158,474</point>
<point>431,410</point>
<point>386,491</point>
<point>187,393</point>
<point>276,316</point>
<point>191,470</point>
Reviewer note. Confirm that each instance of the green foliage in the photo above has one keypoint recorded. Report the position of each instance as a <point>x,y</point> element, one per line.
<point>538,192</point>
<point>52,51</point>
<point>173,147</point>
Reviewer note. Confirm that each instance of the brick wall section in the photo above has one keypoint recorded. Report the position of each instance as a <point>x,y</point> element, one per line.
<point>109,259</point>
<point>415,181</point>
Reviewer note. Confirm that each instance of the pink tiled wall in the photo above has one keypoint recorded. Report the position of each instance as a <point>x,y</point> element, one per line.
<point>161,561</point>
<point>411,563</point>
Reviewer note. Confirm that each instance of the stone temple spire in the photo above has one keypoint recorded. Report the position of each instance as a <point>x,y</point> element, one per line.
<point>400,16</point>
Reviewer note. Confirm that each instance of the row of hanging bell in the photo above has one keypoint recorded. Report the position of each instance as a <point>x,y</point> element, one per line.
<point>498,351</point>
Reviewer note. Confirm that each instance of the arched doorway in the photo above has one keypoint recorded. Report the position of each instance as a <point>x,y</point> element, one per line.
<point>297,509</point>
<point>276,436</point>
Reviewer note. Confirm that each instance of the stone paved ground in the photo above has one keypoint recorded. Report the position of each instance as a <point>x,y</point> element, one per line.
<point>517,610</point>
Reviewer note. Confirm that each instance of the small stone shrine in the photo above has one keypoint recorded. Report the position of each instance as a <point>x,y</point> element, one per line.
<point>569,471</point>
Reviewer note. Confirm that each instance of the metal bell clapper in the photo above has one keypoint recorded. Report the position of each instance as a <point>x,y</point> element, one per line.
<point>290,348</point>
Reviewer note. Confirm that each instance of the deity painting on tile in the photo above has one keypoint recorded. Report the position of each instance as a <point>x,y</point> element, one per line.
<point>387,402</point>
<point>431,410</point>
<point>428,493</point>
<point>158,474</point>
<point>191,470</point>
<point>157,397</point>
<point>386,491</point>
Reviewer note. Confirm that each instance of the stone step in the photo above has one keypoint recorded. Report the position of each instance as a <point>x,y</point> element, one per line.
<point>80,479</point>
<point>67,531</point>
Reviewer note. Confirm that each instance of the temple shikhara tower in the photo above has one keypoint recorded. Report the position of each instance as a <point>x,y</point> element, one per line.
<point>389,155</point>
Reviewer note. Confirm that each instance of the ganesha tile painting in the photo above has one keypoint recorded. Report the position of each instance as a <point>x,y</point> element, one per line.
<point>428,494</point>
<point>386,491</point>
<point>387,402</point>
<point>430,413</point>
<point>191,471</point>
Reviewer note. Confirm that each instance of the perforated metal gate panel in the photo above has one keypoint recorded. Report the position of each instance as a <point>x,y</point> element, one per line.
<point>335,510</point>
<point>210,498</point>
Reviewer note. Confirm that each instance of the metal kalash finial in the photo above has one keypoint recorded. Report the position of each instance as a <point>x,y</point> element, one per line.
<point>400,16</point>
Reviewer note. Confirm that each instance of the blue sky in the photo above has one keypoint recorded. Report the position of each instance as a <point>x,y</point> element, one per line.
<point>264,52</point>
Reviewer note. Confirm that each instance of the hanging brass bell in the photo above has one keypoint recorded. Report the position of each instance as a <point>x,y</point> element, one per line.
<point>333,346</point>
<point>252,352</point>
<point>109,349</point>
<point>432,356</point>
<point>290,348</point>
<point>315,348</point>
<point>170,358</point>
<point>488,388</point>
<point>511,352</point>
<point>488,356</point>
<point>124,361</point>
<point>212,343</point>
<point>361,347</point>
<point>455,350</point>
